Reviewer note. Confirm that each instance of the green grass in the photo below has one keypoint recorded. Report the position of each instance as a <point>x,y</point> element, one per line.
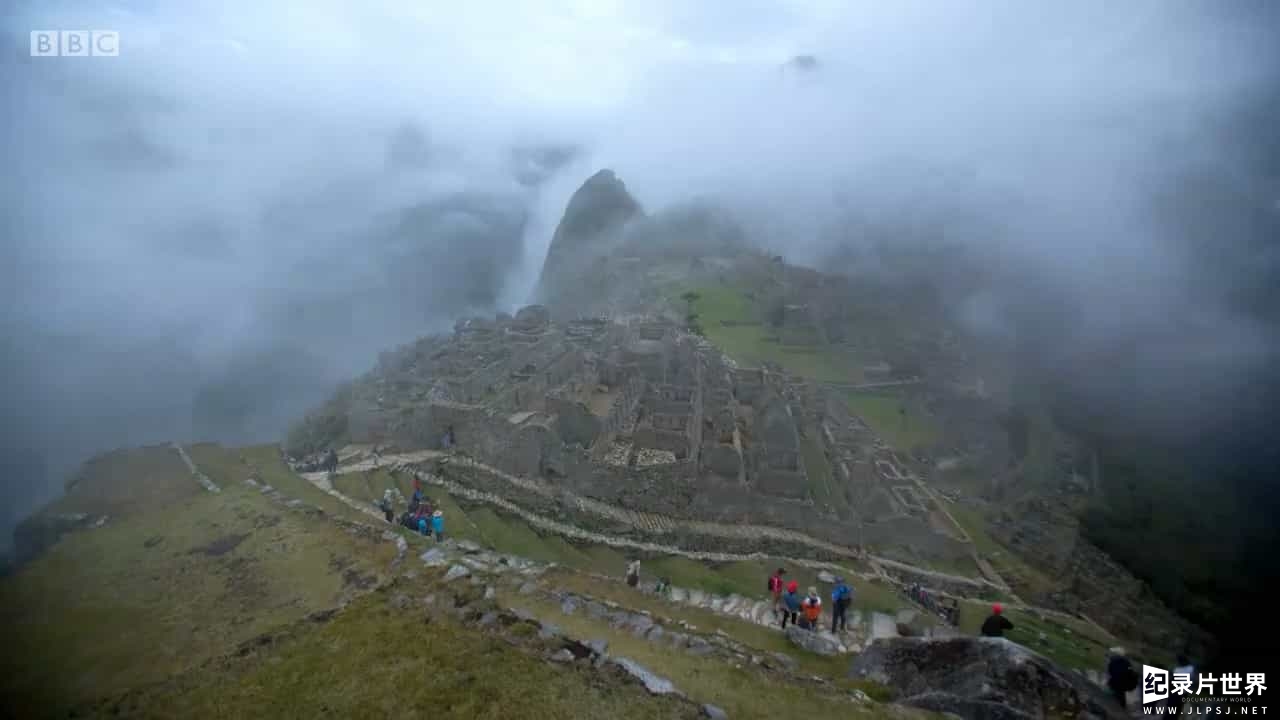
<point>159,592</point>
<point>265,460</point>
<point>822,486</point>
<point>1070,644</point>
<point>750,344</point>
<point>745,692</point>
<point>125,482</point>
<point>372,661</point>
<point>1021,575</point>
<point>893,418</point>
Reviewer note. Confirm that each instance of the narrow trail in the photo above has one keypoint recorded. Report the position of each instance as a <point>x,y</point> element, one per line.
<point>877,563</point>
<point>651,523</point>
<point>200,477</point>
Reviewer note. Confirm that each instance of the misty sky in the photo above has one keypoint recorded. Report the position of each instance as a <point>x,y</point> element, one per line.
<point>205,234</point>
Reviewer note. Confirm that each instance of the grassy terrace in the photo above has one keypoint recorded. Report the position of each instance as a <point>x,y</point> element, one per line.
<point>731,321</point>
<point>1023,577</point>
<point>822,486</point>
<point>894,418</point>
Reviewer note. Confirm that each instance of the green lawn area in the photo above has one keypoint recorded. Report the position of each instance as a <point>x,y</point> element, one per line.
<point>159,592</point>
<point>1072,644</point>
<point>893,418</point>
<point>374,661</point>
<point>749,345</point>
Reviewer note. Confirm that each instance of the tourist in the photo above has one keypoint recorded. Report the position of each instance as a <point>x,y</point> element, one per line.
<point>331,461</point>
<point>790,603</point>
<point>633,573</point>
<point>1121,677</point>
<point>996,624</point>
<point>811,609</point>
<point>775,589</point>
<point>387,512</point>
<point>841,599</point>
<point>417,498</point>
<point>663,588</point>
<point>422,526</point>
<point>437,525</point>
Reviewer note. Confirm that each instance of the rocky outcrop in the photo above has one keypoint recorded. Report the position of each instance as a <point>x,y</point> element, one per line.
<point>815,641</point>
<point>592,221</point>
<point>980,678</point>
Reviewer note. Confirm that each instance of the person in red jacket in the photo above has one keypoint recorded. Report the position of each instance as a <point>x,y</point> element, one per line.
<point>775,589</point>
<point>791,604</point>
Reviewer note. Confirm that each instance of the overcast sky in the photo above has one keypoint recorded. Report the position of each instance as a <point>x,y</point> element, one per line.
<point>217,203</point>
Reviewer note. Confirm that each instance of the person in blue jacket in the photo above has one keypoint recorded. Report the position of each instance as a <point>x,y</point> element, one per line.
<point>841,599</point>
<point>437,524</point>
<point>791,603</point>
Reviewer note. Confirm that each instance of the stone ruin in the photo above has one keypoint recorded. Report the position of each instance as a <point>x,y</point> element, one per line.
<point>635,411</point>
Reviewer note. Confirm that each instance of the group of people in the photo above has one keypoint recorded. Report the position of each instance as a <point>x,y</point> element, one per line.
<point>946,608</point>
<point>1121,675</point>
<point>421,517</point>
<point>805,611</point>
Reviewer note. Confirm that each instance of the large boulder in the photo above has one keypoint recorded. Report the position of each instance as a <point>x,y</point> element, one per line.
<point>981,679</point>
<point>814,641</point>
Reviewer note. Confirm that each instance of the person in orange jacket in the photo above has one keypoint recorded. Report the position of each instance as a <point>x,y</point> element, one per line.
<point>811,609</point>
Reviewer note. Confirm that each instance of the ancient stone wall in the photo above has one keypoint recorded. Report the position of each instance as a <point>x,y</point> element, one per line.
<point>574,421</point>
<point>624,406</point>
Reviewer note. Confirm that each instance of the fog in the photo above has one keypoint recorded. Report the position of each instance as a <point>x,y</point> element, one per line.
<point>207,233</point>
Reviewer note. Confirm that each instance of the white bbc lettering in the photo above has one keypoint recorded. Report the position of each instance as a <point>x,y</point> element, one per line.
<point>106,43</point>
<point>44,43</point>
<point>75,43</point>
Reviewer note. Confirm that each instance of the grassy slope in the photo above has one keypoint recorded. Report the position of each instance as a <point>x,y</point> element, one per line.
<point>128,481</point>
<point>749,344</point>
<point>160,591</point>
<point>227,466</point>
<point>1073,644</point>
<point>1023,577</point>
<point>372,661</point>
<point>822,486</point>
<point>743,692</point>
<point>893,419</point>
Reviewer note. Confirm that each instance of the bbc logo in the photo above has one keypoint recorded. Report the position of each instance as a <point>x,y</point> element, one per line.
<point>75,43</point>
